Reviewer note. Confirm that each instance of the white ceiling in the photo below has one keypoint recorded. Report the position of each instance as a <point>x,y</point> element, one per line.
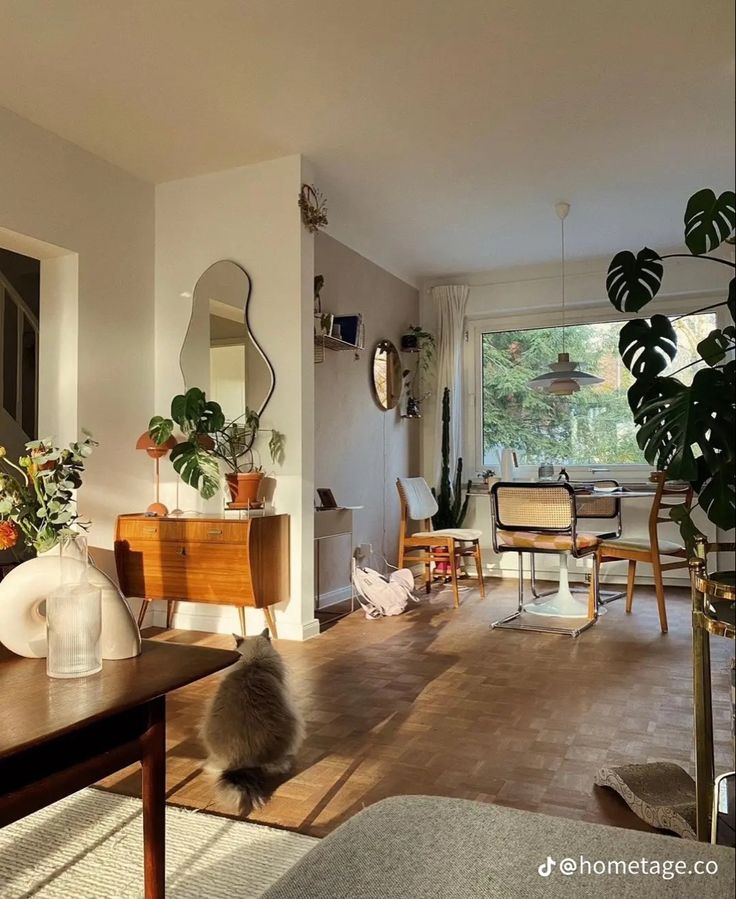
<point>442,131</point>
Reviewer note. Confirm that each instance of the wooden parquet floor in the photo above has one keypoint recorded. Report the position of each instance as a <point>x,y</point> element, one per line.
<point>433,702</point>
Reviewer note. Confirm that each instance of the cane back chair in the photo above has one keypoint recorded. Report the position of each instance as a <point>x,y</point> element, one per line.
<point>542,518</point>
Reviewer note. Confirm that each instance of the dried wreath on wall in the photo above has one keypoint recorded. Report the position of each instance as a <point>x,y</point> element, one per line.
<point>314,208</point>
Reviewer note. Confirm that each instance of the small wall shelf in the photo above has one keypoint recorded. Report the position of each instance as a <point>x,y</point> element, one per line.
<point>353,324</point>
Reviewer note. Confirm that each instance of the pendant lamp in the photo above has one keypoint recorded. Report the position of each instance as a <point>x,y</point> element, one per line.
<point>563,378</point>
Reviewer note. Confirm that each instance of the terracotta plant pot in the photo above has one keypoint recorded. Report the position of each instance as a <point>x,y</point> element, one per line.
<point>244,487</point>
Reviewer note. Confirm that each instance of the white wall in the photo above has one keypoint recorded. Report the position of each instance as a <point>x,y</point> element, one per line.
<point>91,224</point>
<point>360,448</point>
<point>526,294</point>
<point>249,215</point>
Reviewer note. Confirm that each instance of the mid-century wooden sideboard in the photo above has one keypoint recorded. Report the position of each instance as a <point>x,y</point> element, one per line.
<point>219,560</point>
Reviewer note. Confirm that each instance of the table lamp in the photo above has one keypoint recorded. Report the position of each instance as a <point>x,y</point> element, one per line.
<point>156,451</point>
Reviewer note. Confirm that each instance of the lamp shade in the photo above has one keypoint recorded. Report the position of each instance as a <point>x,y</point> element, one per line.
<point>154,450</point>
<point>564,378</point>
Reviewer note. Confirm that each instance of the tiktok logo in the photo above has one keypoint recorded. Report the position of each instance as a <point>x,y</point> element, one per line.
<point>546,868</point>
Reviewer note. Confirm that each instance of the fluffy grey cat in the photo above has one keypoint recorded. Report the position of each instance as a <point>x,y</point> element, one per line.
<point>253,728</point>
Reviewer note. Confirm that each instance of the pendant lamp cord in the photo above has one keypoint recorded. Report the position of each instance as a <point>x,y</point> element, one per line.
<point>562,242</point>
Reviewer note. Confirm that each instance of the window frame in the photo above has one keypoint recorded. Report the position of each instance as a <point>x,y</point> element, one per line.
<point>531,319</point>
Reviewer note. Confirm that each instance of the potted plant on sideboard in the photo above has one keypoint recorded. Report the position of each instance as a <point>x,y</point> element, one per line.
<point>235,446</point>
<point>208,439</point>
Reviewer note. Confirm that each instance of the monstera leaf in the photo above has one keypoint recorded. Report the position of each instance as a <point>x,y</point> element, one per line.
<point>731,301</point>
<point>633,281</point>
<point>197,467</point>
<point>717,496</point>
<point>675,419</point>
<point>709,220</point>
<point>717,344</point>
<point>194,413</point>
<point>647,347</point>
<point>160,429</point>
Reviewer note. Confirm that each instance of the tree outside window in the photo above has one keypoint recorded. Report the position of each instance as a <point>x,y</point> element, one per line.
<point>593,426</point>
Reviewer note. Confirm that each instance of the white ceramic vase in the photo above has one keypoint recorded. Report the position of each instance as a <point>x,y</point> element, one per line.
<point>23,593</point>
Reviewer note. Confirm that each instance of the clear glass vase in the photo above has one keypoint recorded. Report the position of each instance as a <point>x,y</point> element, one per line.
<point>74,616</point>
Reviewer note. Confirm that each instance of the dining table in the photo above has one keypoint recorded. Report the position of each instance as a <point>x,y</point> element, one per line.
<point>561,602</point>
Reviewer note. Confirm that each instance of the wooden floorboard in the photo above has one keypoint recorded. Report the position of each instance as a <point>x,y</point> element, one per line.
<point>434,702</point>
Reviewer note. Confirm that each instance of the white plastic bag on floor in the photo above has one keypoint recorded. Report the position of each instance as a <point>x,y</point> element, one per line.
<point>380,596</point>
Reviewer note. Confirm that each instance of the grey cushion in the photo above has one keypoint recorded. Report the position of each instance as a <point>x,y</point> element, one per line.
<point>417,847</point>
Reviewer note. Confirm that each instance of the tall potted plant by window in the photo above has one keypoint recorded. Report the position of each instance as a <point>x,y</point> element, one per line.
<point>687,430</point>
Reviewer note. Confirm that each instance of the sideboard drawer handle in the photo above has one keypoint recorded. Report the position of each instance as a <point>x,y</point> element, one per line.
<point>150,530</point>
<point>215,533</point>
<point>183,551</point>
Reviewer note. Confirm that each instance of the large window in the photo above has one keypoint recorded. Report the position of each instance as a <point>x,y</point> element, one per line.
<point>591,427</point>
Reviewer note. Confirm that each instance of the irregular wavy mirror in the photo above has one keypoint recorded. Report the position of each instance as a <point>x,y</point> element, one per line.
<point>220,353</point>
<point>386,374</point>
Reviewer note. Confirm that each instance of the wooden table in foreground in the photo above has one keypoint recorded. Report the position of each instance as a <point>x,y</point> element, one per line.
<point>58,736</point>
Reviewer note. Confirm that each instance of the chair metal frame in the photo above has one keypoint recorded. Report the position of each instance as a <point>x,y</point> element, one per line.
<point>429,550</point>
<point>568,531</point>
<point>590,506</point>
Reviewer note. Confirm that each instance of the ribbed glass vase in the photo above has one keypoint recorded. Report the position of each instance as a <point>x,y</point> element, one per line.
<point>74,616</point>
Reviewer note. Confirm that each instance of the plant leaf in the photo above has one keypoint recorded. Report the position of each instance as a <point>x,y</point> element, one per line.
<point>675,419</point>
<point>688,531</point>
<point>160,429</point>
<point>633,281</point>
<point>714,347</point>
<point>178,410</point>
<point>731,301</point>
<point>197,467</point>
<point>709,220</point>
<point>212,417</point>
<point>194,403</point>
<point>276,447</point>
<point>717,497</point>
<point>647,347</point>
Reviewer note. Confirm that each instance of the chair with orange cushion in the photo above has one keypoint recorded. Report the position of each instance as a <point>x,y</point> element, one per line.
<point>543,518</point>
<point>651,549</point>
<point>449,545</point>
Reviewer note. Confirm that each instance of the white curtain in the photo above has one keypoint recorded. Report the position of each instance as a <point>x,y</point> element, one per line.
<point>451,301</point>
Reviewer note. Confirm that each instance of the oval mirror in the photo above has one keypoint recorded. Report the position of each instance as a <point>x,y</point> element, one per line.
<point>220,353</point>
<point>386,374</point>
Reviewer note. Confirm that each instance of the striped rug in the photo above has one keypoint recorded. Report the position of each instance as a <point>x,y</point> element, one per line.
<point>90,846</point>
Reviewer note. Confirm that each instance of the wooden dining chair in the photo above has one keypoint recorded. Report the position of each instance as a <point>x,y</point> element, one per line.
<point>449,545</point>
<point>651,549</point>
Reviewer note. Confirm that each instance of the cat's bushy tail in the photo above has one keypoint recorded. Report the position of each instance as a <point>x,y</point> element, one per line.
<point>249,788</point>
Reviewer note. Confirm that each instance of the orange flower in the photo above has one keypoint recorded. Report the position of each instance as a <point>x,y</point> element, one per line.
<point>8,535</point>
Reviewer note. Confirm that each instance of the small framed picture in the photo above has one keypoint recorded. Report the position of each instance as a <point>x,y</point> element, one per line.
<point>326,498</point>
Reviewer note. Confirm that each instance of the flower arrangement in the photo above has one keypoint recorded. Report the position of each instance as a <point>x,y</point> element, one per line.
<point>37,494</point>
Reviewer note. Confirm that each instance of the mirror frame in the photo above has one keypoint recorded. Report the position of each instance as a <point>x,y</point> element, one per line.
<point>386,345</point>
<point>246,320</point>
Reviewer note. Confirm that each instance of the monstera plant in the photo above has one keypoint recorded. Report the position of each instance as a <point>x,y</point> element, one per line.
<point>686,430</point>
<point>199,421</point>
<point>208,439</point>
